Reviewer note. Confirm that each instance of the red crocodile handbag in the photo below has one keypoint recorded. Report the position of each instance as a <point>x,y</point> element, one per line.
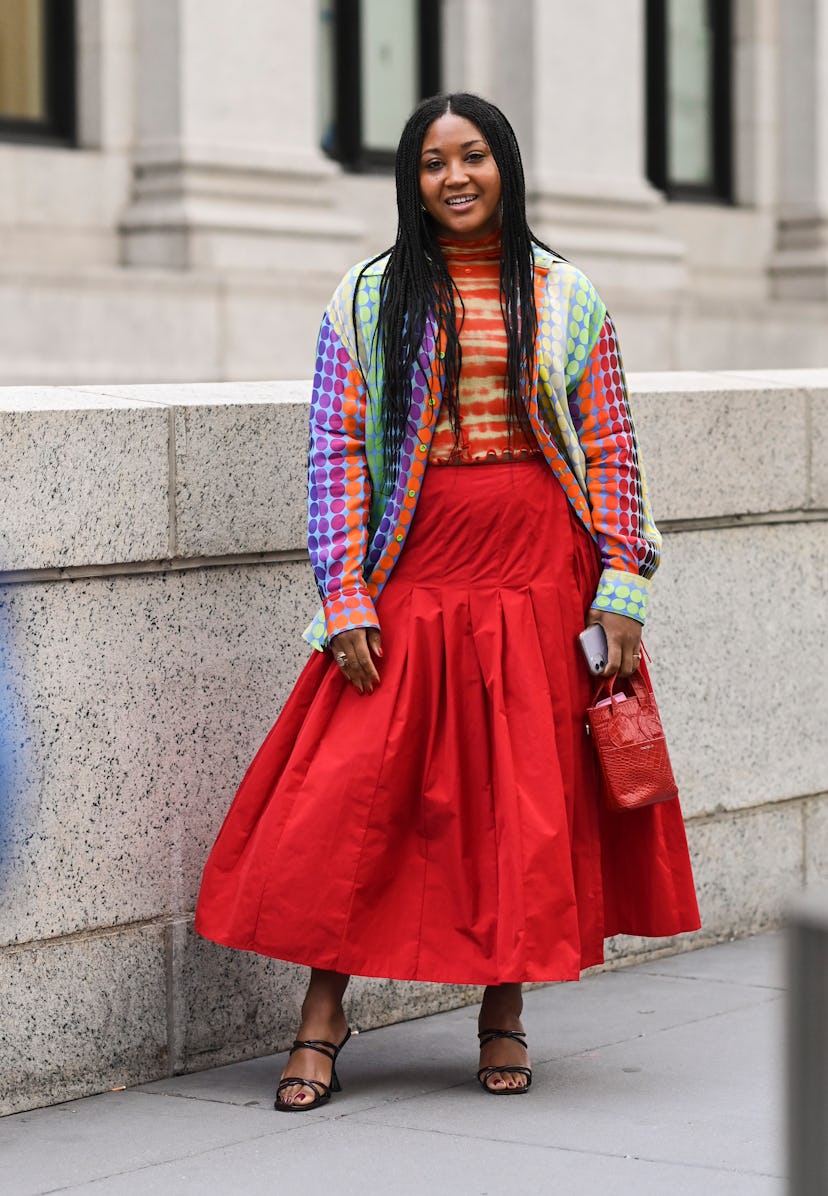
<point>632,751</point>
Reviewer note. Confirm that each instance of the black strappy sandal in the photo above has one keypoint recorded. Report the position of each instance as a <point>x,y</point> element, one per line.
<point>486,1073</point>
<point>322,1092</point>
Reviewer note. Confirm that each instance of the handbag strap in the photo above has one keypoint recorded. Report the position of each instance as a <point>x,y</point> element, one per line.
<point>635,680</point>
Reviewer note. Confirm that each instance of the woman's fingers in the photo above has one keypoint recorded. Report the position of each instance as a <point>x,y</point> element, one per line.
<point>623,642</point>
<point>375,641</point>
<point>629,660</point>
<point>615,655</point>
<point>352,652</point>
<point>363,673</point>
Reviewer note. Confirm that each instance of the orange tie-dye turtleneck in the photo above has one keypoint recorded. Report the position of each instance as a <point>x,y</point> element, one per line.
<point>484,432</point>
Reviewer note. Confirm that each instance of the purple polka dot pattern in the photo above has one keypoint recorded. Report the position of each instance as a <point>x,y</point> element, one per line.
<point>338,487</point>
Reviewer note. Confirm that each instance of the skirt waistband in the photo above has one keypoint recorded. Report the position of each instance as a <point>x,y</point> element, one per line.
<point>501,524</point>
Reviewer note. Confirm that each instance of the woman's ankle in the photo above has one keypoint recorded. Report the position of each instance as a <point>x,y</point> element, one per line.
<point>323,1000</point>
<point>501,1008</point>
<point>322,1012</point>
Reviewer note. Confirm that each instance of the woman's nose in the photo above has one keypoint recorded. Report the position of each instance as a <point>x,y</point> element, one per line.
<point>457,172</point>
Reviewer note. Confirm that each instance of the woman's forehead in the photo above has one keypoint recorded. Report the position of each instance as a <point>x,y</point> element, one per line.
<point>450,129</point>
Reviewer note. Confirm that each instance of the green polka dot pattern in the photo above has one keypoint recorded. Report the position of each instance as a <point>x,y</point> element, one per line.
<point>619,594</point>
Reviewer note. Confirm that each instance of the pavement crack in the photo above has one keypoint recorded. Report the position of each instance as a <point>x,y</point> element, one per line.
<point>574,1150</point>
<point>207,1100</point>
<point>144,1168</point>
<point>714,980</point>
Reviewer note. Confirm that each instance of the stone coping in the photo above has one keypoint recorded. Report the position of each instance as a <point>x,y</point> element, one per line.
<point>116,474</point>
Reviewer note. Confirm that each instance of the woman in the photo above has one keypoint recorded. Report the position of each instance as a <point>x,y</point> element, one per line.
<point>427,806</point>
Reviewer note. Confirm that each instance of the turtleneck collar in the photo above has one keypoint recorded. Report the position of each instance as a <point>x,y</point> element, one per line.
<point>486,249</point>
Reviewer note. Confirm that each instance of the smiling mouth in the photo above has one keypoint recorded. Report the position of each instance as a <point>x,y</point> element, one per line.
<point>461,201</point>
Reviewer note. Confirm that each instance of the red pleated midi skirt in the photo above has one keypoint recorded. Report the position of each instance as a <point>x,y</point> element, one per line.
<point>449,826</point>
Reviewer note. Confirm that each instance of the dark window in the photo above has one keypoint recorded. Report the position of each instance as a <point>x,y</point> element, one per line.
<point>688,97</point>
<point>37,70</point>
<point>378,59</point>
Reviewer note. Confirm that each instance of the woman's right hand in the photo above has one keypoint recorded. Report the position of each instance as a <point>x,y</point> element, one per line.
<point>353,652</point>
<point>623,641</point>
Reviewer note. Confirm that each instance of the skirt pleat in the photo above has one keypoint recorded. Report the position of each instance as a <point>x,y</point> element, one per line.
<point>449,827</point>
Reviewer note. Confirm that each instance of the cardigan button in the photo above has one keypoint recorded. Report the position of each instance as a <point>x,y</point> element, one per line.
<point>399,537</point>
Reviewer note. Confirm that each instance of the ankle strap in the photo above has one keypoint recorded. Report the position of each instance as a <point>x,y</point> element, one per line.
<point>328,1049</point>
<point>487,1036</point>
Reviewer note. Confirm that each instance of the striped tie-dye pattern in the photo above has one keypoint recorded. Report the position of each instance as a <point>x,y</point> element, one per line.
<point>485,436</point>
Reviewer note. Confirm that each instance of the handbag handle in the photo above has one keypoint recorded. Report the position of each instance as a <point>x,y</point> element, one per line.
<point>635,680</point>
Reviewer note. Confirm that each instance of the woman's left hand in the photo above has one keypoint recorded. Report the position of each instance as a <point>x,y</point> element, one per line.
<point>623,641</point>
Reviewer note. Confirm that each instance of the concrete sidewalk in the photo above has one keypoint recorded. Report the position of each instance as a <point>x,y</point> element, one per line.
<point>661,1078</point>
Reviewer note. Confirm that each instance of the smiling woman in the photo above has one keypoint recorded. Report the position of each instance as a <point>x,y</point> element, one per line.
<point>459,179</point>
<point>427,806</point>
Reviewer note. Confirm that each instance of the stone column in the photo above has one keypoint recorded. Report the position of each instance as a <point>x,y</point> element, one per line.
<point>755,102</point>
<point>799,268</point>
<point>589,194</point>
<point>486,50</point>
<point>227,173</point>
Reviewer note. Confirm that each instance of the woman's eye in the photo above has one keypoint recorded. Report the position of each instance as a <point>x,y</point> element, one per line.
<point>477,156</point>
<point>434,164</point>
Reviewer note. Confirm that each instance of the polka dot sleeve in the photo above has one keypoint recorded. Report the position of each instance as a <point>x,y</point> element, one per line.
<point>339,490</point>
<point>627,536</point>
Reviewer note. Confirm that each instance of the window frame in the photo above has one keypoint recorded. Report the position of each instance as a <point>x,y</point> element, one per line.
<point>59,125</point>
<point>720,188</point>
<point>348,148</point>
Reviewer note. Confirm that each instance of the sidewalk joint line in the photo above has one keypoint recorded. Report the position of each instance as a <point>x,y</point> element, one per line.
<point>607,1154</point>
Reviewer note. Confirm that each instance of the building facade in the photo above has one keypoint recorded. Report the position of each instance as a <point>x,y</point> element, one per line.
<point>183,182</point>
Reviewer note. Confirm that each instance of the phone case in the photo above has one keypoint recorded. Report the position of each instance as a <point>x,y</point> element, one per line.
<point>593,641</point>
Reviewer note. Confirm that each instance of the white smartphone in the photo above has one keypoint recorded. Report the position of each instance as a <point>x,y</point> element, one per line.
<point>593,641</point>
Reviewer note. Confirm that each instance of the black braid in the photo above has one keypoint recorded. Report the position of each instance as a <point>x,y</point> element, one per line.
<point>416,282</point>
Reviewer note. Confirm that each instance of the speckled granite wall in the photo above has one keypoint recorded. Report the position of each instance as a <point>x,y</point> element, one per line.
<point>153,588</point>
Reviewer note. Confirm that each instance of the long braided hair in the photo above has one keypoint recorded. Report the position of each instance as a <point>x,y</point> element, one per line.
<point>416,283</point>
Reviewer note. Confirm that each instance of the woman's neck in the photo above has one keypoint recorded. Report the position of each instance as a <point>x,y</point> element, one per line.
<point>481,249</point>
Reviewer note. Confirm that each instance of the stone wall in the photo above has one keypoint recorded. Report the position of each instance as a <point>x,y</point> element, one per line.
<point>153,587</point>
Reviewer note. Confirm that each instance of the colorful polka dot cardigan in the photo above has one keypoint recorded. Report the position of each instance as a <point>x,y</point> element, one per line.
<point>578,407</point>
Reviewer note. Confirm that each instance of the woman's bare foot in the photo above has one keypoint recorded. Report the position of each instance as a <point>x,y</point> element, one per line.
<point>322,1019</point>
<point>501,1009</point>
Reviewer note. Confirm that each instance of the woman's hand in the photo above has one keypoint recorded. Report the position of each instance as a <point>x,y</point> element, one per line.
<point>353,652</point>
<point>623,641</point>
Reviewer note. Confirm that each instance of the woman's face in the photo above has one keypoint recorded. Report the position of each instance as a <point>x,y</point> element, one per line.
<point>459,180</point>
